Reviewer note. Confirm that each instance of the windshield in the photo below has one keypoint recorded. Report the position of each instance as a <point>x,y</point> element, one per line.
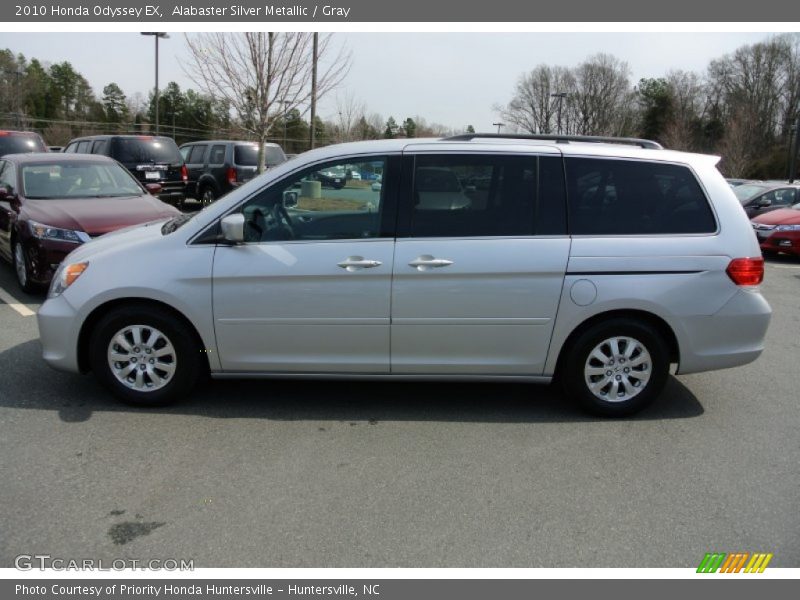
<point>16,143</point>
<point>70,179</point>
<point>147,150</point>
<point>746,192</point>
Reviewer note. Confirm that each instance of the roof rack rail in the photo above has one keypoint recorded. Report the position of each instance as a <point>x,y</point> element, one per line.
<point>559,139</point>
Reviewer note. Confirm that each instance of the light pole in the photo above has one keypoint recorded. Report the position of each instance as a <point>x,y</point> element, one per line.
<point>560,96</point>
<point>499,125</point>
<point>157,35</point>
<point>794,148</point>
<point>285,103</point>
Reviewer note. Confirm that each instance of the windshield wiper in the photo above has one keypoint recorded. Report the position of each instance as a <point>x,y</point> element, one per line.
<point>175,223</point>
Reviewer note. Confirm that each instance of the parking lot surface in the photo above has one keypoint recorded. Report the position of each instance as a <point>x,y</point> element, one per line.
<point>342,474</point>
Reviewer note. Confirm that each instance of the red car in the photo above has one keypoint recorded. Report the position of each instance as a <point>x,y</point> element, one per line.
<point>779,231</point>
<point>50,203</point>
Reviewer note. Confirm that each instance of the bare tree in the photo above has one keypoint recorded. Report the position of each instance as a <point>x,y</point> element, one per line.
<point>533,108</point>
<point>263,75</point>
<point>735,148</point>
<point>350,113</point>
<point>603,96</point>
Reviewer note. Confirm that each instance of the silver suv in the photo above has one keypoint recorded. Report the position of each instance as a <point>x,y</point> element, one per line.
<point>599,262</point>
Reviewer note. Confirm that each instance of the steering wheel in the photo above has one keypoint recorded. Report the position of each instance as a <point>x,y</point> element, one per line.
<point>279,213</point>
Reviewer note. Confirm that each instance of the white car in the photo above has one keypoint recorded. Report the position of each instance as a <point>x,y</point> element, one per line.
<point>598,262</point>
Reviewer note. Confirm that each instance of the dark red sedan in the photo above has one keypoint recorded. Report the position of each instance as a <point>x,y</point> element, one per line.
<point>51,203</point>
<point>779,231</point>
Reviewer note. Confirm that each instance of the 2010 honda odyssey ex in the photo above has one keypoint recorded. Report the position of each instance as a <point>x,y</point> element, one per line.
<point>596,261</point>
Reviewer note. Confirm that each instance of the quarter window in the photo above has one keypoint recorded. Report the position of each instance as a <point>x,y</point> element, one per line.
<point>327,202</point>
<point>476,195</point>
<point>626,197</point>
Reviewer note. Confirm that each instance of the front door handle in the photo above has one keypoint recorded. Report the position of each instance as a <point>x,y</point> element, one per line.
<point>356,263</point>
<point>427,262</point>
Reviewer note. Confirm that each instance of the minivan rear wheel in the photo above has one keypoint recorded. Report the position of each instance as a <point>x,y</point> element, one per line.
<point>616,367</point>
<point>144,355</point>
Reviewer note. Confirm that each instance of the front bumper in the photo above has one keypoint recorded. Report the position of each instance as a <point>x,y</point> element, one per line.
<point>58,331</point>
<point>782,241</point>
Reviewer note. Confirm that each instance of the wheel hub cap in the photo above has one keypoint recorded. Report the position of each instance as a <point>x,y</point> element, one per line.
<point>618,369</point>
<point>142,358</point>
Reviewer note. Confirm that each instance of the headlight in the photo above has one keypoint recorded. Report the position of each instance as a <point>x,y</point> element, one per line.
<point>46,232</point>
<point>65,276</point>
<point>787,228</point>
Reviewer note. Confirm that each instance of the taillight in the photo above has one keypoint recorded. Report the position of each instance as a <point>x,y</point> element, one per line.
<point>746,271</point>
<point>184,173</point>
<point>231,176</point>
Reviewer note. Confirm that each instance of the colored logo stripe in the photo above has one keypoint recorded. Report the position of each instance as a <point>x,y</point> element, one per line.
<point>734,562</point>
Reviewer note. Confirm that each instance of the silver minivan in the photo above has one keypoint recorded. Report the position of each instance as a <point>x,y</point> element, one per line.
<point>600,262</point>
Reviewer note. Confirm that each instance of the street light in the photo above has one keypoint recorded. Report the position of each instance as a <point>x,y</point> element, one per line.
<point>499,125</point>
<point>285,103</point>
<point>157,35</point>
<point>560,96</point>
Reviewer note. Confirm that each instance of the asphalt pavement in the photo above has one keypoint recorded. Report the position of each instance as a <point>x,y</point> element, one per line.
<point>342,474</point>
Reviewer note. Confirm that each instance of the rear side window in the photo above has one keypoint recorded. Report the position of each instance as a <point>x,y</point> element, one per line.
<point>146,149</point>
<point>246,155</point>
<point>197,154</point>
<point>487,195</point>
<point>100,147</point>
<point>626,197</point>
<point>217,156</point>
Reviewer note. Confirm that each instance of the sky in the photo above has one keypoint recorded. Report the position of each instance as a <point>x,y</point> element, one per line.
<point>450,78</point>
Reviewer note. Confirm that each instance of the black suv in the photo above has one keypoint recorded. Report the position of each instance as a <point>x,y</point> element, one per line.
<point>216,167</point>
<point>15,142</point>
<point>151,159</point>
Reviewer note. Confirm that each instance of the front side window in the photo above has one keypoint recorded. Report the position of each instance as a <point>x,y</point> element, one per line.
<point>627,197</point>
<point>197,154</point>
<point>487,195</point>
<point>322,203</point>
<point>8,176</point>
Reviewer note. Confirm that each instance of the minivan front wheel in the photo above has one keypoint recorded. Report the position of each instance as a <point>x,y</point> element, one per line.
<point>144,355</point>
<point>616,368</point>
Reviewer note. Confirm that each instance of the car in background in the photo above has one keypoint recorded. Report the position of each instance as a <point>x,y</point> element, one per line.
<point>760,198</point>
<point>149,158</point>
<point>779,231</point>
<point>216,167</point>
<point>49,205</point>
<point>737,182</point>
<point>55,148</point>
<point>14,142</point>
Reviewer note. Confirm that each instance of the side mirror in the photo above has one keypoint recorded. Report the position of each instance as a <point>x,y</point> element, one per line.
<point>763,202</point>
<point>7,194</point>
<point>232,227</point>
<point>290,199</point>
<point>153,188</point>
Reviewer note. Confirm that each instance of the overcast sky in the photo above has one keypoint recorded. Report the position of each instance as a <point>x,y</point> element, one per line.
<point>448,78</point>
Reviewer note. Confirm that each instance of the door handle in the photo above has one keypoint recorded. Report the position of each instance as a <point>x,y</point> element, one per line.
<point>427,262</point>
<point>356,263</point>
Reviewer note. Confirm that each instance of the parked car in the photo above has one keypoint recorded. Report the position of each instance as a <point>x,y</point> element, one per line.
<point>50,204</point>
<point>759,198</point>
<point>737,182</point>
<point>217,167</point>
<point>779,231</point>
<point>656,266</point>
<point>150,158</point>
<point>13,142</point>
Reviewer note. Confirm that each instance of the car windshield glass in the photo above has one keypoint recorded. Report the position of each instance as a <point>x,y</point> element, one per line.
<point>13,144</point>
<point>70,179</point>
<point>147,150</point>
<point>746,192</point>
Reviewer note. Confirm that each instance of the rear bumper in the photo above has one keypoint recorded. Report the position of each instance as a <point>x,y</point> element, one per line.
<point>58,331</point>
<point>732,337</point>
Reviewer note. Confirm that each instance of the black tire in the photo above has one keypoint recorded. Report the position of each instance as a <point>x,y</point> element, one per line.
<point>576,361</point>
<point>207,195</point>
<point>188,363</point>
<point>25,273</point>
